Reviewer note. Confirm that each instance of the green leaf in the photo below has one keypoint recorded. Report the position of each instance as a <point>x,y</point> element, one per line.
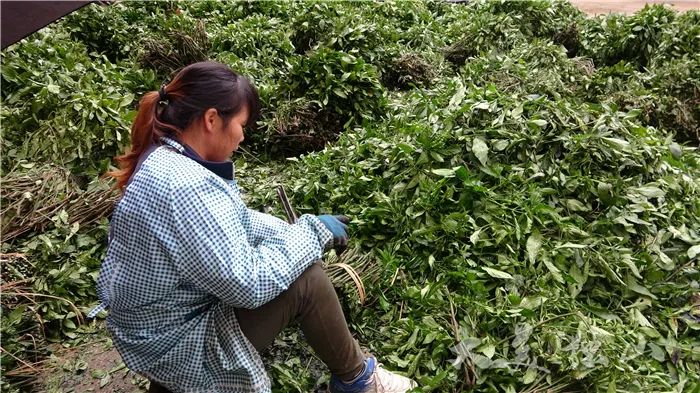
<point>676,150</point>
<point>694,251</point>
<point>482,362</point>
<point>475,236</point>
<point>665,262</point>
<point>424,291</point>
<point>673,323</point>
<point>530,375</point>
<point>640,289</point>
<point>500,145</point>
<point>347,59</point>
<point>627,260</point>
<point>497,273</point>
<point>523,331</point>
<point>457,98</point>
<point>106,380</point>
<point>532,302</point>
<point>538,122</point>
<point>618,143</point>
<point>556,273</point>
<point>481,105</point>
<point>488,350</point>
<point>118,367</point>
<point>69,324</point>
<point>481,150</point>
<point>444,172</point>
<point>638,317</point>
<point>15,315</point>
<point>576,205</point>
<point>650,192</point>
<point>462,173</point>
<point>657,352</point>
<point>533,245</point>
<point>571,245</point>
<point>600,332</point>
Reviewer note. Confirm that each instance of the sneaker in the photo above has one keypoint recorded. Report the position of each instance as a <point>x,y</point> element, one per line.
<point>374,379</point>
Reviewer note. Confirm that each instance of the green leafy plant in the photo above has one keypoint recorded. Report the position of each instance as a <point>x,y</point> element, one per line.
<point>104,31</point>
<point>653,35</point>
<point>538,18</point>
<point>535,67</point>
<point>528,198</point>
<point>568,178</point>
<point>48,281</point>
<point>312,25</point>
<point>482,34</point>
<point>267,38</point>
<point>339,82</point>
<point>62,106</point>
<point>328,92</point>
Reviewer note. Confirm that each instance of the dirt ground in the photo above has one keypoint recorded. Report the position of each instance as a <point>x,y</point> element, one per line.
<point>596,7</point>
<point>94,366</point>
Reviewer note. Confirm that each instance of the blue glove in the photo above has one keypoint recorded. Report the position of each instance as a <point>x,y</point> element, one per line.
<point>337,226</point>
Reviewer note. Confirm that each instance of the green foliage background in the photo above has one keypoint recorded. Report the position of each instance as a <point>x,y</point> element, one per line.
<point>530,190</point>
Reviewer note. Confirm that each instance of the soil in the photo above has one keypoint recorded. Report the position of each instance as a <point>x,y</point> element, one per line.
<point>597,7</point>
<point>94,366</point>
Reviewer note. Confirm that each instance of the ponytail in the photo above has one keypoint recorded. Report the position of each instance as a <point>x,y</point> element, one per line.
<point>142,135</point>
<point>171,110</point>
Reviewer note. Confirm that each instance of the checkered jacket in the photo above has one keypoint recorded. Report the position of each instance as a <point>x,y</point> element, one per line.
<point>184,252</point>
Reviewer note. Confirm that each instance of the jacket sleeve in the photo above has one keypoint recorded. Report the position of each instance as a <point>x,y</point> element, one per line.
<point>214,252</point>
<point>262,226</point>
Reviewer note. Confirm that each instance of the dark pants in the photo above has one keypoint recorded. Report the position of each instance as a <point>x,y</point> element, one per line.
<point>312,301</point>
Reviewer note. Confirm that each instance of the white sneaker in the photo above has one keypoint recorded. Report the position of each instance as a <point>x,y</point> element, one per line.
<point>384,381</point>
<point>374,379</point>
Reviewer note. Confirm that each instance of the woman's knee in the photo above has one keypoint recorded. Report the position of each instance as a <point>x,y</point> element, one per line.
<point>315,272</point>
<point>313,279</point>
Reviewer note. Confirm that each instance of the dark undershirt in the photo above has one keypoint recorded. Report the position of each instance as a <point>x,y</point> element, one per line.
<point>223,169</point>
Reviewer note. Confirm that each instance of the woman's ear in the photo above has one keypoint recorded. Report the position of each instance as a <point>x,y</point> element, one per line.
<point>210,118</point>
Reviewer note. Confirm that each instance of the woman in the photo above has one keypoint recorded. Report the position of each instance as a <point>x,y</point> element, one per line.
<point>196,283</point>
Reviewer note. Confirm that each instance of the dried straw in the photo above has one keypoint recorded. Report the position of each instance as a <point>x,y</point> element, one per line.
<point>31,199</point>
<point>169,54</point>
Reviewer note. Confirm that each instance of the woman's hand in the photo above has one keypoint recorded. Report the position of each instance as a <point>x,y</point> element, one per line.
<point>338,227</point>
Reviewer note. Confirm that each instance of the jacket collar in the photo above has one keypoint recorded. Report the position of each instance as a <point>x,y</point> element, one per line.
<point>223,169</point>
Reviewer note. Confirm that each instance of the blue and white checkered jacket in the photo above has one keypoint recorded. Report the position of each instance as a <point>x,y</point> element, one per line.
<point>184,252</point>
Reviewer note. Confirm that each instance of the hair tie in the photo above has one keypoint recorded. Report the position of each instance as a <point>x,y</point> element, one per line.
<point>162,95</point>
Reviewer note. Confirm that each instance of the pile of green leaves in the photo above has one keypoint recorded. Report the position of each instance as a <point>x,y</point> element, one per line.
<point>526,178</point>
<point>60,106</point>
<point>648,61</point>
<point>48,283</point>
<point>555,239</point>
<point>496,26</point>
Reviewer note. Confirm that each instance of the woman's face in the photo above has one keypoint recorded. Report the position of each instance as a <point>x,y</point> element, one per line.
<point>227,137</point>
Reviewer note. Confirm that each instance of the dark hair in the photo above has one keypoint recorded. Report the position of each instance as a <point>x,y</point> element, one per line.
<point>168,112</point>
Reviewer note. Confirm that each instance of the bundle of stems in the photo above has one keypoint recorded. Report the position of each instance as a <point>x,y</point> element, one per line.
<point>31,199</point>
<point>349,267</point>
<point>180,48</point>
